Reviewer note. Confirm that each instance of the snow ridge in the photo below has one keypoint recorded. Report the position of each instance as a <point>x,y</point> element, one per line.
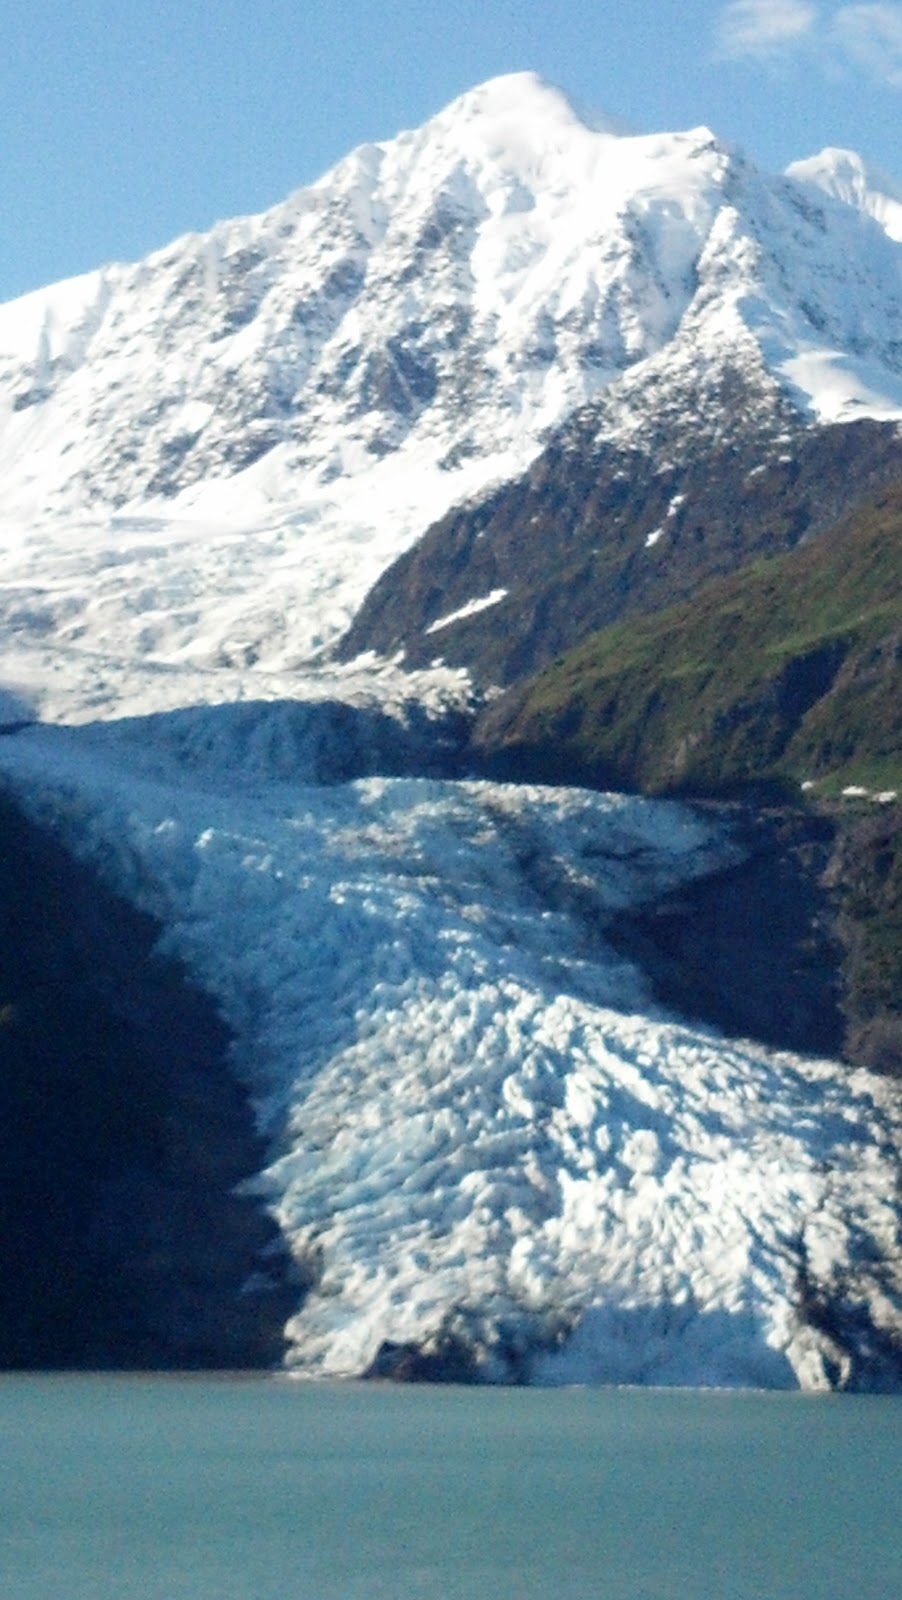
<point>848,177</point>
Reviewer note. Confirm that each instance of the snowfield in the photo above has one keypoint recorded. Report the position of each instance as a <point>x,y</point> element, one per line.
<point>484,1137</point>
<point>486,1144</point>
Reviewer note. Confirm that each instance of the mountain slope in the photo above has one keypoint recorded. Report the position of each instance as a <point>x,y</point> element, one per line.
<point>123,1136</point>
<point>786,674</point>
<point>594,532</point>
<point>788,671</point>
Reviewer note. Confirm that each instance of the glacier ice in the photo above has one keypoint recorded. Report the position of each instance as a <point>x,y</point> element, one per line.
<point>484,1137</point>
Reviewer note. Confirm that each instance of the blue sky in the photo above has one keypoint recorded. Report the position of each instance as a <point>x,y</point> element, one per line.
<point>127,122</point>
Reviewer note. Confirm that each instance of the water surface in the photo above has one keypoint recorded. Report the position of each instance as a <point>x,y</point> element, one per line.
<point>259,1489</point>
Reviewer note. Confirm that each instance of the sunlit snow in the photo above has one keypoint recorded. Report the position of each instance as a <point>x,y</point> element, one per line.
<point>209,457</point>
<point>847,177</point>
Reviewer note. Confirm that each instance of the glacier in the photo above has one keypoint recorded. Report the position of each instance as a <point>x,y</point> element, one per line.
<point>487,1143</point>
<point>490,1152</point>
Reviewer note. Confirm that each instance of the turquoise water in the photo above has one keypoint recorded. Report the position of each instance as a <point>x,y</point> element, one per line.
<point>258,1489</point>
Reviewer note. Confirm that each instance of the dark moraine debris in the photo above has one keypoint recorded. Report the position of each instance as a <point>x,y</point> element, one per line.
<point>122,1137</point>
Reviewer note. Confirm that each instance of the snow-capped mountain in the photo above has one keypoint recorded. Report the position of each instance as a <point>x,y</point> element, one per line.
<point>488,1149</point>
<point>232,439</point>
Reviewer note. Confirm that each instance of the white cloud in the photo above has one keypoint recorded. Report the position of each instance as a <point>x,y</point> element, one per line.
<point>761,27</point>
<point>860,36</point>
<point>871,35</point>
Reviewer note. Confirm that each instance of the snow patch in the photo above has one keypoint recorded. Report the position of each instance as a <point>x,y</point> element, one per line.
<point>471,609</point>
<point>673,509</point>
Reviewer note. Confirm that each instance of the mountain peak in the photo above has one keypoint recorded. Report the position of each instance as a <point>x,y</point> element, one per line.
<point>847,176</point>
<point>518,111</point>
<point>408,331</point>
<point>518,95</point>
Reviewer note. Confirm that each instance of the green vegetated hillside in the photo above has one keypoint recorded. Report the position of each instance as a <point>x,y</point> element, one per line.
<point>786,672</point>
<point>783,675</point>
<point>598,532</point>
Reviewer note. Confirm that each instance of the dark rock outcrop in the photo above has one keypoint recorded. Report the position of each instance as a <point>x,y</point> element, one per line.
<point>596,531</point>
<point>753,949</point>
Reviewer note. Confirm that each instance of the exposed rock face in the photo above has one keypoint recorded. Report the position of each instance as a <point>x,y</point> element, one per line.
<point>122,1137</point>
<point>865,874</point>
<point>752,949</point>
<point>596,531</point>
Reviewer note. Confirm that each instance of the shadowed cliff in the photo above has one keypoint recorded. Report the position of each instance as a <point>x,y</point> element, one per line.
<point>122,1137</point>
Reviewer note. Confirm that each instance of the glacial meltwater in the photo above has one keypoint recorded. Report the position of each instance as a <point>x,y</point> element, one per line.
<point>132,1488</point>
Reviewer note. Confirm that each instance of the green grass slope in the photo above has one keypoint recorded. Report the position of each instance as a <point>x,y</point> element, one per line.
<point>787,672</point>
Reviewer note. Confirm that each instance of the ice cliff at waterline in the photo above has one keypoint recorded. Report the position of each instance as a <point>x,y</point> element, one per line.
<point>490,1153</point>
